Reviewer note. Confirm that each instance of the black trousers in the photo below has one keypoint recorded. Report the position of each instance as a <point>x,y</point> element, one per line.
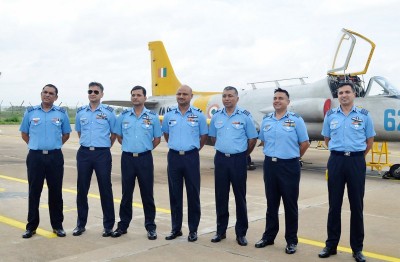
<point>231,170</point>
<point>100,161</point>
<point>184,168</point>
<point>281,180</point>
<point>50,167</point>
<point>140,167</point>
<point>344,170</point>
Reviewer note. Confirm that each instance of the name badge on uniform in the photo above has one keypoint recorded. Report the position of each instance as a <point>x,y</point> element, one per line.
<point>36,120</point>
<point>125,124</point>
<point>334,124</point>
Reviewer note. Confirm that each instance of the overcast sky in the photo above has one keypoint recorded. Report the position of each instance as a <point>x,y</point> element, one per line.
<point>211,44</point>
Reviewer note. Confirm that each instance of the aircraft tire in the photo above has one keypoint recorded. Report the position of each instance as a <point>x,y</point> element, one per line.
<point>395,171</point>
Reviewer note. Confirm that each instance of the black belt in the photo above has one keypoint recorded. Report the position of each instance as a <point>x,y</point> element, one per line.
<point>182,153</point>
<point>45,152</point>
<point>340,153</point>
<point>275,159</point>
<point>137,154</point>
<point>230,155</point>
<point>92,148</point>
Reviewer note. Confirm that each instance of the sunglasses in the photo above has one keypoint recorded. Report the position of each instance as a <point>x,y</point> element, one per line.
<point>96,92</point>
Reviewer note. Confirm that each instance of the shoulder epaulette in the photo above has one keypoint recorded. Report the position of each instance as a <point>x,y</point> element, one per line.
<point>109,108</point>
<point>62,110</point>
<point>197,109</point>
<point>330,112</point>
<point>151,112</point>
<point>294,114</point>
<point>30,108</point>
<point>364,111</point>
<point>169,109</point>
<point>268,115</point>
<point>247,113</point>
<point>80,109</point>
<point>125,111</point>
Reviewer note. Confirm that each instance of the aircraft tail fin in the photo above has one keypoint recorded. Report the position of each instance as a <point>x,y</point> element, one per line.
<point>163,79</point>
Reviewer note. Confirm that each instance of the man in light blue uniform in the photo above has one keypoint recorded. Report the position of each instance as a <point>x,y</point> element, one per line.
<point>285,140</point>
<point>349,133</point>
<point>45,128</point>
<point>139,131</point>
<point>234,134</point>
<point>95,124</point>
<point>185,130</point>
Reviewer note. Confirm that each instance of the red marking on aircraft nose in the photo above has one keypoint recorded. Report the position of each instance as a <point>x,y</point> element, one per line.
<point>327,105</point>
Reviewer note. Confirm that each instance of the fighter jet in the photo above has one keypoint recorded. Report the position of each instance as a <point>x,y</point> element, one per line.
<point>311,101</point>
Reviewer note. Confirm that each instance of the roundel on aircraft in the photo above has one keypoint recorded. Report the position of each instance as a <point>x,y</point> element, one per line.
<point>212,109</point>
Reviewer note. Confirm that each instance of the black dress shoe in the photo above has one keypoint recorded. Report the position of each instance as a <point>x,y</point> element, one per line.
<point>218,238</point>
<point>173,235</point>
<point>107,232</point>
<point>59,232</point>
<point>263,243</point>
<point>152,234</point>
<point>119,232</point>
<point>192,236</point>
<point>291,248</point>
<point>327,251</point>
<point>242,240</point>
<point>78,231</point>
<point>358,256</point>
<point>28,233</point>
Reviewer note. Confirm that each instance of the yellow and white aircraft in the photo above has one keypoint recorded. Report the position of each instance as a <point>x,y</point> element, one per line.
<point>311,101</point>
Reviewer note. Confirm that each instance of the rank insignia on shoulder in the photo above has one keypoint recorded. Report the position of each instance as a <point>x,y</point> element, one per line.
<point>62,110</point>
<point>125,111</point>
<point>197,109</point>
<point>364,111</point>
<point>268,115</point>
<point>80,109</point>
<point>30,108</point>
<point>151,112</point>
<point>170,109</point>
<point>247,113</point>
<point>330,112</point>
<point>109,108</point>
<point>294,114</point>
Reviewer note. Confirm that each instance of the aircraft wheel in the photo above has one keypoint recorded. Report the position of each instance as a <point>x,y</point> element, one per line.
<point>395,171</point>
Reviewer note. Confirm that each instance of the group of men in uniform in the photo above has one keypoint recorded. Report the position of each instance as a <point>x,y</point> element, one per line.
<point>348,133</point>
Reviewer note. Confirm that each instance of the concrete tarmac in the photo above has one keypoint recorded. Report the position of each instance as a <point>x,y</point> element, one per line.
<point>381,214</point>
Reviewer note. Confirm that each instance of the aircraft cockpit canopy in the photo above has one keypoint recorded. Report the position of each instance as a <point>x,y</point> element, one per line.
<point>380,86</point>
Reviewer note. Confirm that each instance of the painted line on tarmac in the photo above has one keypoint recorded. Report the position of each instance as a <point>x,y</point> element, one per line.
<point>72,191</point>
<point>20,225</point>
<point>348,250</point>
<point>167,211</point>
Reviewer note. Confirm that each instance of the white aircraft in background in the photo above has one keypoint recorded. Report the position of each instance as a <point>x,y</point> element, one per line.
<point>311,101</point>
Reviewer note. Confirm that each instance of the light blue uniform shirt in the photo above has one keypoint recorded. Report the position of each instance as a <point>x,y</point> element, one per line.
<point>138,132</point>
<point>348,133</point>
<point>45,129</point>
<point>184,130</point>
<point>282,137</point>
<point>232,132</point>
<point>95,127</point>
